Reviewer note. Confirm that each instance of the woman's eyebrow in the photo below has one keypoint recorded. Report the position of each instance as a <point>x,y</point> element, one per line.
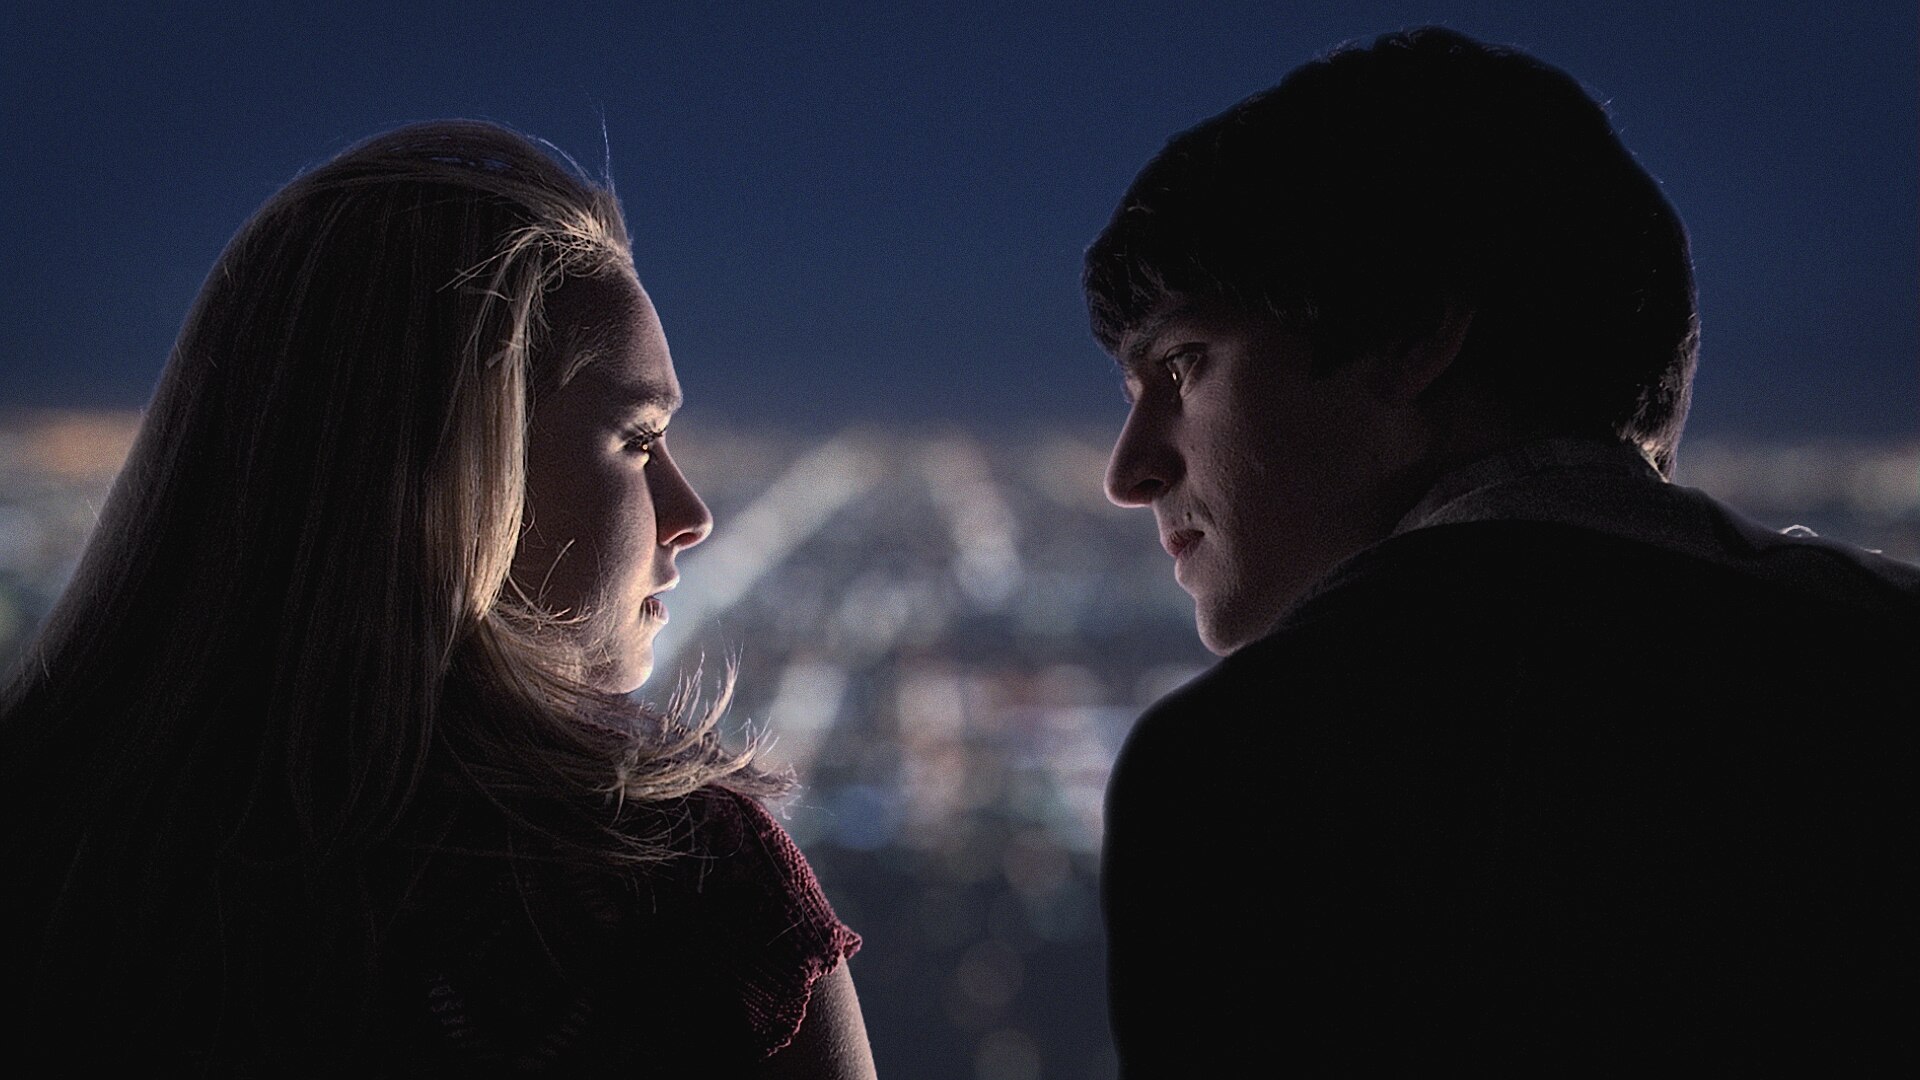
<point>649,397</point>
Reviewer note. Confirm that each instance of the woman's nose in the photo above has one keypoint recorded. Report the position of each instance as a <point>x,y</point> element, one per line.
<point>683,518</point>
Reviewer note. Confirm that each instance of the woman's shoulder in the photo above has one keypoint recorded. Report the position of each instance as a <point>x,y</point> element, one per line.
<point>724,927</point>
<point>754,897</point>
<point>724,838</point>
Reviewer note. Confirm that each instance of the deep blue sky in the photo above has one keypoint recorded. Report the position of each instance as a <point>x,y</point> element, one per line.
<point>877,211</point>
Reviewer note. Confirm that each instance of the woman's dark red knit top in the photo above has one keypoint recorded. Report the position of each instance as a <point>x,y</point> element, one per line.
<point>704,961</point>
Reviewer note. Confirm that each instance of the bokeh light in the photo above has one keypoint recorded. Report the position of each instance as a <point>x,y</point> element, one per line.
<point>948,640</point>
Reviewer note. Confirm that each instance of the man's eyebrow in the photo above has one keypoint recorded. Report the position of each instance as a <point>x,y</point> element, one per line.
<point>1144,335</point>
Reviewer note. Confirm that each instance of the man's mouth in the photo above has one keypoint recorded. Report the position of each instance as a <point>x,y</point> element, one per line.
<point>1180,540</point>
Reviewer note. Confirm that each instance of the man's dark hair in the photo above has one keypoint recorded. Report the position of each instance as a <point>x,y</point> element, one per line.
<point>1377,187</point>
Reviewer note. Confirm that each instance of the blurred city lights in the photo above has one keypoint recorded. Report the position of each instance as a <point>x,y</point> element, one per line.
<point>947,639</point>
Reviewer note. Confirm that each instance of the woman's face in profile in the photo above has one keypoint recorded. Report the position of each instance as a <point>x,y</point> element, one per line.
<point>607,508</point>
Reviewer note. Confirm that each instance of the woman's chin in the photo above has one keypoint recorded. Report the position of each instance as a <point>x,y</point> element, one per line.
<point>618,666</point>
<point>630,675</point>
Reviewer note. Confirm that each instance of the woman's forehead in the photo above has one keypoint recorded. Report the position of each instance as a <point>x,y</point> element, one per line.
<point>612,342</point>
<point>598,304</point>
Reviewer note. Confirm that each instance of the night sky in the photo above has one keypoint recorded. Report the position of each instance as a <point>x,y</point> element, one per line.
<point>876,212</point>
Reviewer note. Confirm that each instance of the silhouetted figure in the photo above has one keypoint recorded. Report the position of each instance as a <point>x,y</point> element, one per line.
<point>323,765</point>
<point>1519,754</point>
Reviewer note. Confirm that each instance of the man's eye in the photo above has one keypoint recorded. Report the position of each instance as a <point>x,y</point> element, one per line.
<point>1180,365</point>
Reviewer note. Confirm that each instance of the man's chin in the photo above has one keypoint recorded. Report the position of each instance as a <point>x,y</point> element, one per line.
<point>1216,643</point>
<point>1226,629</point>
<point>1216,634</point>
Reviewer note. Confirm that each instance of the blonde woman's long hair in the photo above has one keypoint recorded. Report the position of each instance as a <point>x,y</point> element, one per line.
<point>292,649</point>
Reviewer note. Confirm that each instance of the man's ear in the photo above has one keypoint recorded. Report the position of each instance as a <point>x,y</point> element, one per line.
<point>1411,369</point>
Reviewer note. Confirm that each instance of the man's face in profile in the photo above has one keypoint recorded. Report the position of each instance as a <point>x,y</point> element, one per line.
<point>1261,476</point>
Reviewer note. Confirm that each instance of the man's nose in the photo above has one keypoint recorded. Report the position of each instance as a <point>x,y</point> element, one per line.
<point>1144,463</point>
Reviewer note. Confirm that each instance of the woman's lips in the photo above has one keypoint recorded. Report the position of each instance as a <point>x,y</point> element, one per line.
<point>653,608</point>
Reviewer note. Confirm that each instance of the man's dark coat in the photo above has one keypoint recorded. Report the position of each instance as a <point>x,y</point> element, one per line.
<point>1525,794</point>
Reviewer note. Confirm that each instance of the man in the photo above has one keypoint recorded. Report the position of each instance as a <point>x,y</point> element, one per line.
<point>1519,755</point>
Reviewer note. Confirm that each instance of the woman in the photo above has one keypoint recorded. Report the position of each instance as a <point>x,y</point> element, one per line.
<point>322,763</point>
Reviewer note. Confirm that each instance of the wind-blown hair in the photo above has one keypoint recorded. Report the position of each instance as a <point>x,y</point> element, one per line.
<point>1376,187</point>
<point>292,651</point>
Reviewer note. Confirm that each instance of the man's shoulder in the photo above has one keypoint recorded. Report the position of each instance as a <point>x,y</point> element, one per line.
<point>1517,557</point>
<point>1501,576</point>
<point>1467,615</point>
